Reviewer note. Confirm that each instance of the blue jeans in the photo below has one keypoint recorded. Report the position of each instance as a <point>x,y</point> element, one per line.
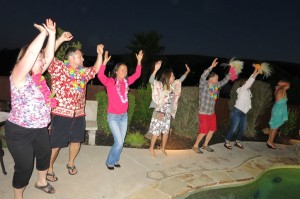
<point>118,127</point>
<point>238,121</point>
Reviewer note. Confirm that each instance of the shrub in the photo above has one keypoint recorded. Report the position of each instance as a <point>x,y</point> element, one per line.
<point>261,99</point>
<point>290,126</point>
<point>142,114</point>
<point>135,140</point>
<point>131,107</point>
<point>186,121</point>
<point>101,97</point>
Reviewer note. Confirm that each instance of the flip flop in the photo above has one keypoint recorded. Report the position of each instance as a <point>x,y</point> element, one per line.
<point>72,169</point>
<point>47,188</point>
<point>53,177</point>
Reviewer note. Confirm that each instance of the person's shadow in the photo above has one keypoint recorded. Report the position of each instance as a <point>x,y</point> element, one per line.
<point>1,158</point>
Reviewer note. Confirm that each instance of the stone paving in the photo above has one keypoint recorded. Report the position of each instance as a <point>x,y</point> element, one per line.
<point>142,176</point>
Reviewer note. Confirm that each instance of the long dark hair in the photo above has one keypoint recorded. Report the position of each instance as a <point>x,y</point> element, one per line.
<point>116,68</point>
<point>165,77</point>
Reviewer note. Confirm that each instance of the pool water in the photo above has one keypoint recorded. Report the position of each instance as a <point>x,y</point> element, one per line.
<point>283,183</point>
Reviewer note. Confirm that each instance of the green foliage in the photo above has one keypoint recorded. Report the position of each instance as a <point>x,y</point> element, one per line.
<point>60,53</point>
<point>261,99</point>
<point>102,99</point>
<point>186,121</point>
<point>142,114</point>
<point>290,126</point>
<point>135,140</point>
<point>131,107</point>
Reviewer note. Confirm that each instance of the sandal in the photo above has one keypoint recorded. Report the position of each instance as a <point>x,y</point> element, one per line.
<point>47,188</point>
<point>228,146</point>
<point>197,150</point>
<point>207,148</point>
<point>53,177</point>
<point>238,144</point>
<point>72,169</point>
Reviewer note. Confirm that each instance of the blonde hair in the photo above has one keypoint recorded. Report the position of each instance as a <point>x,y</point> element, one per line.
<point>23,51</point>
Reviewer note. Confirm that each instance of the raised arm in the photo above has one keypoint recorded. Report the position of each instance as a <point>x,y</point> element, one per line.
<point>251,79</point>
<point>207,71</point>
<point>98,62</point>
<point>182,78</point>
<point>138,70</point>
<point>101,76</point>
<point>156,68</point>
<point>28,59</point>
<point>66,36</point>
<point>49,50</point>
<point>139,57</point>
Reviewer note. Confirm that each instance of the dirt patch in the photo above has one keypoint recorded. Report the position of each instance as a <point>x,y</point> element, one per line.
<point>177,142</point>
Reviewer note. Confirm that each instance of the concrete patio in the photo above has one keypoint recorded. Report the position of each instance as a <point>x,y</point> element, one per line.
<point>142,176</point>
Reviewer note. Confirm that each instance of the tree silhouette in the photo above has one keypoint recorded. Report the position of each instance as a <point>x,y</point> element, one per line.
<point>149,42</point>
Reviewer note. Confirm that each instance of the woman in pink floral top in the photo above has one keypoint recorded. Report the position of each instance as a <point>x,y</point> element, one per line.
<point>117,90</point>
<point>26,127</point>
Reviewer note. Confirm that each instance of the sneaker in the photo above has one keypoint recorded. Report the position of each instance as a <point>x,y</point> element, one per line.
<point>197,150</point>
<point>207,148</point>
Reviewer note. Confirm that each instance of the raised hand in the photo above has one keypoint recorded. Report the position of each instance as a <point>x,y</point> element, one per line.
<point>66,36</point>
<point>100,48</point>
<point>214,63</point>
<point>50,26</point>
<point>41,28</point>
<point>187,68</point>
<point>106,58</point>
<point>139,56</point>
<point>157,65</point>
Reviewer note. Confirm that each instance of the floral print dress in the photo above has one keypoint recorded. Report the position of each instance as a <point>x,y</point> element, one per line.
<point>161,117</point>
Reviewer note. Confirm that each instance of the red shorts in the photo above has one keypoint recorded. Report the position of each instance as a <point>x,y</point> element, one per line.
<point>207,123</point>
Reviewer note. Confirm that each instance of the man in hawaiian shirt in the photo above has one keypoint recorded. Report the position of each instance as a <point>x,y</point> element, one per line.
<point>68,82</point>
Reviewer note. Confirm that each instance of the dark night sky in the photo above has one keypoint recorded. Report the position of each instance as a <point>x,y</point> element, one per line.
<point>254,29</point>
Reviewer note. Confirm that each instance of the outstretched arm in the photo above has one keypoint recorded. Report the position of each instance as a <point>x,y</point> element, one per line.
<point>25,64</point>
<point>66,36</point>
<point>49,50</point>
<point>156,68</point>
<point>98,62</point>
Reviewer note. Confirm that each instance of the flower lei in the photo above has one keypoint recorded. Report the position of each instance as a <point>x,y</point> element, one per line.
<point>40,82</point>
<point>124,98</point>
<point>79,87</point>
<point>213,91</point>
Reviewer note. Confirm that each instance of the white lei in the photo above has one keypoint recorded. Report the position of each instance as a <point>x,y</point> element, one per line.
<point>124,98</point>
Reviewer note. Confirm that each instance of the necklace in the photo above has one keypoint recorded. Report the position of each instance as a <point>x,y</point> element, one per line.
<point>213,91</point>
<point>124,98</point>
<point>40,82</point>
<point>79,87</point>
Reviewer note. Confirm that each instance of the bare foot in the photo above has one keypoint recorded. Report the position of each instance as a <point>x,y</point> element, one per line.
<point>152,154</point>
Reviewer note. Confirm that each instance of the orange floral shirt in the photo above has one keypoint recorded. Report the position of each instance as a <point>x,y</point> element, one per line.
<point>70,101</point>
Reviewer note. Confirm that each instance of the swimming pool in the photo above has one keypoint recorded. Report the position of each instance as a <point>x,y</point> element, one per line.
<point>279,183</point>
